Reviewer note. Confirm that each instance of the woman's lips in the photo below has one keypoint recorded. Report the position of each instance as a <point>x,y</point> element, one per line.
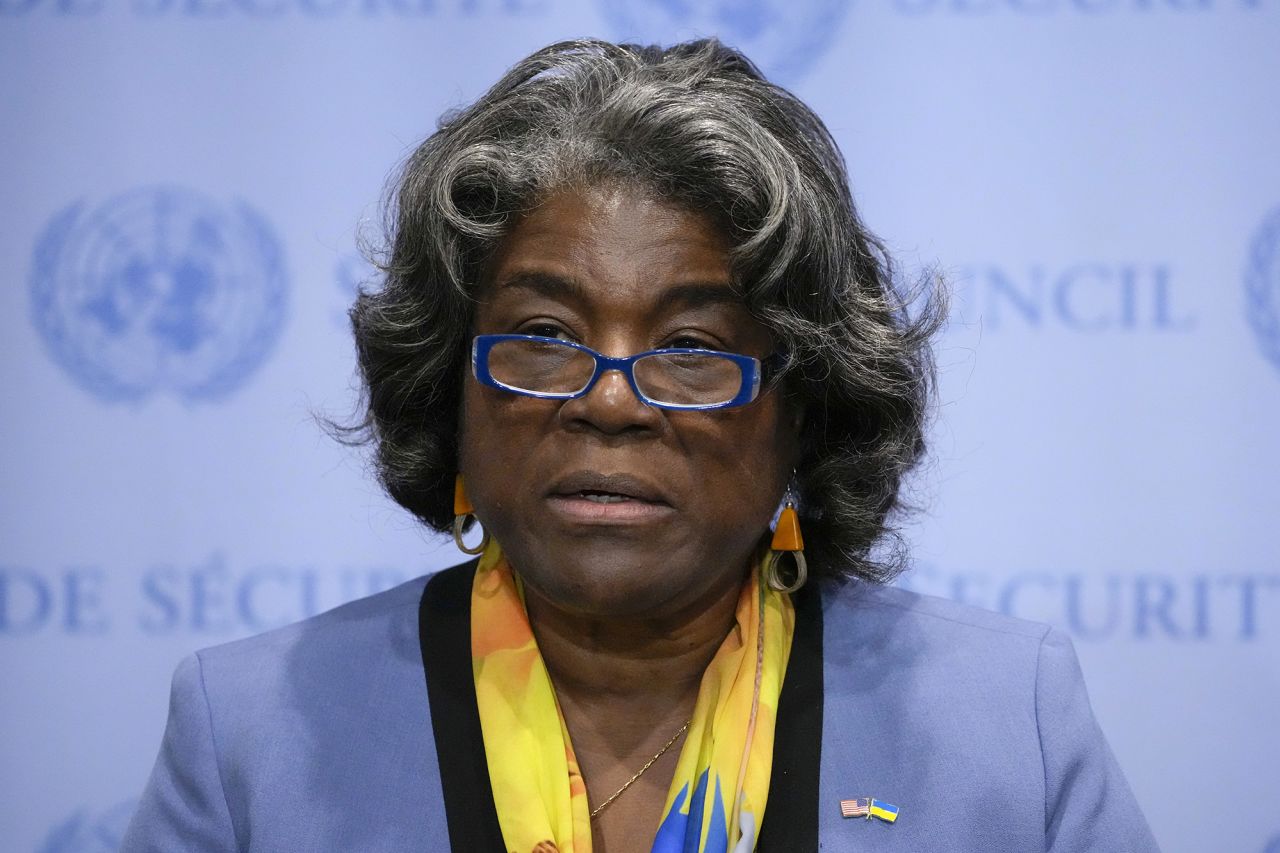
<point>598,483</point>
<point>589,496</point>
<point>606,508</point>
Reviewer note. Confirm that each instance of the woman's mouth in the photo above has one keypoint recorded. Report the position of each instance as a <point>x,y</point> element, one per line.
<point>610,499</point>
<point>604,497</point>
<point>599,508</point>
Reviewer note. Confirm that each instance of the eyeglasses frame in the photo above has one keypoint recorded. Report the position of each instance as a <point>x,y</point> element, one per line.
<point>753,370</point>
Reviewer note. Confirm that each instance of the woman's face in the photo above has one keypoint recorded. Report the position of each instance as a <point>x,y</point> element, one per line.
<point>622,273</point>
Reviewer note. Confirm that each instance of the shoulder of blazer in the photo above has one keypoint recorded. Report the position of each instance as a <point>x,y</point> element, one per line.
<point>362,620</point>
<point>846,604</point>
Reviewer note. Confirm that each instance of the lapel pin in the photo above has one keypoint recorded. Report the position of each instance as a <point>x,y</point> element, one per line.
<point>868,807</point>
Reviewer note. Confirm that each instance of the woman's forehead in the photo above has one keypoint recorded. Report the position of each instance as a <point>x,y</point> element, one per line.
<point>615,237</point>
<point>660,295</point>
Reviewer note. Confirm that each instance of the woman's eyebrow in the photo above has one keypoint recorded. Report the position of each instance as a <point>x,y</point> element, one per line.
<point>701,294</point>
<point>545,284</point>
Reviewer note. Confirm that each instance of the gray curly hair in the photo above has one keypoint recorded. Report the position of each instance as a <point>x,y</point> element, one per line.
<point>698,125</point>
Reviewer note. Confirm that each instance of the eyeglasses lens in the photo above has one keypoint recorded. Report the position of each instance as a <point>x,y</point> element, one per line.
<point>688,379</point>
<point>541,367</point>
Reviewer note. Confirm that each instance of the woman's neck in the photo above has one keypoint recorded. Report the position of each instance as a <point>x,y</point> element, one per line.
<point>644,667</point>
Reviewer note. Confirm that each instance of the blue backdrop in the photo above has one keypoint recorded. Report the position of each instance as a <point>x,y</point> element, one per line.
<point>183,181</point>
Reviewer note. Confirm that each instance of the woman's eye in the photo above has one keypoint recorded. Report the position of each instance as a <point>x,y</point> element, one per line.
<point>546,330</point>
<point>690,342</point>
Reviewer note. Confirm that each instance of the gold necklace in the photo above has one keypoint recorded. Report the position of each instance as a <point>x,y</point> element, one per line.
<point>618,793</point>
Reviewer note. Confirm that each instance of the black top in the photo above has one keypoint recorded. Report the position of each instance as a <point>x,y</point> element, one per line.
<point>444,631</point>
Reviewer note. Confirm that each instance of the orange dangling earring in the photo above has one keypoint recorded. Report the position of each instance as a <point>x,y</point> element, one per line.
<point>463,514</point>
<point>786,540</point>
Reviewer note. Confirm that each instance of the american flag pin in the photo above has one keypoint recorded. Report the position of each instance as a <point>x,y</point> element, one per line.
<point>868,807</point>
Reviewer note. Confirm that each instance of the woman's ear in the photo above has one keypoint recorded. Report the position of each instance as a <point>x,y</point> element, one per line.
<point>794,419</point>
<point>794,413</point>
<point>797,420</point>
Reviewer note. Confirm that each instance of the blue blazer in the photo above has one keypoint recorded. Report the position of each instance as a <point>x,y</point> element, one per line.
<point>356,731</point>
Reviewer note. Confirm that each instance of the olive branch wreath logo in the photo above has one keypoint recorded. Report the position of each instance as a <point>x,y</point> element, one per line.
<point>159,290</point>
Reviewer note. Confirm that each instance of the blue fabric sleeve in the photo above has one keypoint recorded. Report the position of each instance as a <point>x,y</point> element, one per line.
<point>1088,805</point>
<point>183,806</point>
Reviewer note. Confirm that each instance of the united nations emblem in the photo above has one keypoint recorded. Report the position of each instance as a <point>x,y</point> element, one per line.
<point>88,833</point>
<point>783,38</point>
<point>159,290</point>
<point>1262,286</point>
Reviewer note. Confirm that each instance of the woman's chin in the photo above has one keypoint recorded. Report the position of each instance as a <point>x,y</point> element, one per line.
<point>613,589</point>
<point>596,593</point>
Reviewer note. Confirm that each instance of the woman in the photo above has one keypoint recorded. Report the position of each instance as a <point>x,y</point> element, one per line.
<point>629,315</point>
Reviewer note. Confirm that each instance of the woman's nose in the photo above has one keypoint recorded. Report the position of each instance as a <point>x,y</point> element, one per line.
<point>611,407</point>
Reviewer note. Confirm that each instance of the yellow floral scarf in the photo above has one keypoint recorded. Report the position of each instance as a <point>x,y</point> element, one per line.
<point>721,783</point>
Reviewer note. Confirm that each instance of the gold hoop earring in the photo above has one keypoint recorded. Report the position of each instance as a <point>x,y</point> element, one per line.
<point>786,540</point>
<point>463,513</point>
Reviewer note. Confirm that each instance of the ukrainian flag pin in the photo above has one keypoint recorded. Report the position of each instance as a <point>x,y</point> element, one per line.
<point>868,807</point>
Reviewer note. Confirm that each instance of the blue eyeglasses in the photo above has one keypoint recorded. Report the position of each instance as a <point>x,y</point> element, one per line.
<point>676,378</point>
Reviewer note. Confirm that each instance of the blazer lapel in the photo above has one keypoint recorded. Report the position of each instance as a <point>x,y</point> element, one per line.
<point>444,630</point>
<point>791,814</point>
